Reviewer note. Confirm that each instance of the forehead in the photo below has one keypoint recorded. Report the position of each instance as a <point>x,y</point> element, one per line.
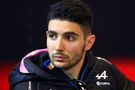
<point>62,26</point>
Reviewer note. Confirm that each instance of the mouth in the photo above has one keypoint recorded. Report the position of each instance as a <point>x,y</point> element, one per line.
<point>59,58</point>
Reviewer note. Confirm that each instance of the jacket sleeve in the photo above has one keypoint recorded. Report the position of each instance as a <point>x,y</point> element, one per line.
<point>28,85</point>
<point>122,82</point>
<point>19,81</point>
<point>20,86</point>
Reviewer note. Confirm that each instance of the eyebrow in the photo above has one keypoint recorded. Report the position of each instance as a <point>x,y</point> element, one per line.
<point>50,31</point>
<point>65,33</point>
<point>71,33</point>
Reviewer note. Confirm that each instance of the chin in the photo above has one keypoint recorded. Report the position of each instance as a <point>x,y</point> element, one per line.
<point>58,65</point>
<point>61,67</point>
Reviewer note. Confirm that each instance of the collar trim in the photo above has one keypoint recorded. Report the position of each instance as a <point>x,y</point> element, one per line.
<point>22,68</point>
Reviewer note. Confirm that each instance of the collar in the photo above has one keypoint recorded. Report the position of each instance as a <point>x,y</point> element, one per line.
<point>87,66</point>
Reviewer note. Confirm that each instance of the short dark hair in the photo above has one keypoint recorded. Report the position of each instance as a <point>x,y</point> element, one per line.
<point>73,10</point>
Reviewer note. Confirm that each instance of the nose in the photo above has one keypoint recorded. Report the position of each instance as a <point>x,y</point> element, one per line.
<point>59,46</point>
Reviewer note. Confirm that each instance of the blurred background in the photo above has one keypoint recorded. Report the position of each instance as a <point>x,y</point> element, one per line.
<point>24,25</point>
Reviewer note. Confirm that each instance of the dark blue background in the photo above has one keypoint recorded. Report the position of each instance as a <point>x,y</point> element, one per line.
<point>22,31</point>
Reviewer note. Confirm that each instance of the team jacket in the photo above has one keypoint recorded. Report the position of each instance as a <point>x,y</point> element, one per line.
<point>35,73</point>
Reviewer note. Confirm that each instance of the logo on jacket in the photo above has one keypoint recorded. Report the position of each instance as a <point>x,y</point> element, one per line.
<point>103,75</point>
<point>102,83</point>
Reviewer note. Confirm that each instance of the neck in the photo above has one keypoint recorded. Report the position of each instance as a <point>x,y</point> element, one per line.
<point>74,71</point>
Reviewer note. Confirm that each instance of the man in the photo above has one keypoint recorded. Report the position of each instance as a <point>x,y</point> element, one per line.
<point>68,63</point>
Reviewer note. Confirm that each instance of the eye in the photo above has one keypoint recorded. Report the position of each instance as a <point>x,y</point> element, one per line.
<point>52,36</point>
<point>70,37</point>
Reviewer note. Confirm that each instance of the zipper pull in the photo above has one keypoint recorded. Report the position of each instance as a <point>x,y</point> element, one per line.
<point>80,84</point>
<point>29,85</point>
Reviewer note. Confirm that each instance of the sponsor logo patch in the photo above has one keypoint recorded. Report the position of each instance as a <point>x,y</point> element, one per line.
<point>103,76</point>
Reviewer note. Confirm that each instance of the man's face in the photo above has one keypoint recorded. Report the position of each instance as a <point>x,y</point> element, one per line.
<point>65,43</point>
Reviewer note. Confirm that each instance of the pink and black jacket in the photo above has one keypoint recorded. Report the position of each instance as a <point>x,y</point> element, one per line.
<point>34,73</point>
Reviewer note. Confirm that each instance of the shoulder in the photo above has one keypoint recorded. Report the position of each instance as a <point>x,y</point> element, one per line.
<point>27,66</point>
<point>114,74</point>
<point>102,63</point>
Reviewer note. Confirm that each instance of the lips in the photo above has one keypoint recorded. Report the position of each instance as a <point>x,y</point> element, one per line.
<point>58,57</point>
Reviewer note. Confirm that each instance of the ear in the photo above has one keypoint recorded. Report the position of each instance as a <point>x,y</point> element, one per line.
<point>90,39</point>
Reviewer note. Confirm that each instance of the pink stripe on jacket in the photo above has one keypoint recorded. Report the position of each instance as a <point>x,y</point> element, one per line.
<point>22,68</point>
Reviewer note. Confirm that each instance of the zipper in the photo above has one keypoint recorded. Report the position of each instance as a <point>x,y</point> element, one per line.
<point>29,85</point>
